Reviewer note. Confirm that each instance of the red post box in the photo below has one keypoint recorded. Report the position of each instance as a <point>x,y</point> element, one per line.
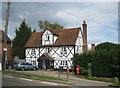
<point>77,69</point>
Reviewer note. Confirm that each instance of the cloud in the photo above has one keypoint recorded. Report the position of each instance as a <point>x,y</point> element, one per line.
<point>61,0</point>
<point>101,17</point>
<point>21,17</point>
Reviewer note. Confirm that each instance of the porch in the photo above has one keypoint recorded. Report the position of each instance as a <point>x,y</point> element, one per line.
<point>45,62</point>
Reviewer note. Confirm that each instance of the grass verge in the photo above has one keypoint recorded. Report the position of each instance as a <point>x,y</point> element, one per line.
<point>103,79</point>
<point>115,84</point>
<point>36,77</point>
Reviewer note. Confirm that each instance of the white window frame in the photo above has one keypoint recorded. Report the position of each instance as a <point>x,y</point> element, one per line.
<point>33,52</point>
<point>63,51</point>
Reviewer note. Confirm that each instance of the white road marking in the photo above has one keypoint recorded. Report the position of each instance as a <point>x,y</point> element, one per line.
<point>25,79</point>
<point>50,83</point>
<point>9,76</point>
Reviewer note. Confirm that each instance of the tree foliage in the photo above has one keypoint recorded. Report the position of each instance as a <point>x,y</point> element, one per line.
<point>83,59</point>
<point>105,60</point>
<point>22,35</point>
<point>47,25</point>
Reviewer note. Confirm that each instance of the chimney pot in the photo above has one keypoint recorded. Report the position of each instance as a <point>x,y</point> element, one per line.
<point>84,22</point>
<point>92,48</point>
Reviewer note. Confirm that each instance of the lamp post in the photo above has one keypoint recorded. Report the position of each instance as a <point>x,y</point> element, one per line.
<point>5,56</point>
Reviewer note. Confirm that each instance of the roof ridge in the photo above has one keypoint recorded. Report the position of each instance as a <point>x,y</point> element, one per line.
<point>66,36</point>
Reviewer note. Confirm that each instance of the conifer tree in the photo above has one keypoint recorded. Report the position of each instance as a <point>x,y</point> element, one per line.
<point>22,35</point>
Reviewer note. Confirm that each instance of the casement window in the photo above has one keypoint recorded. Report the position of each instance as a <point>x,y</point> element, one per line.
<point>63,51</point>
<point>48,50</point>
<point>77,49</point>
<point>66,63</point>
<point>47,37</point>
<point>33,62</point>
<point>51,63</point>
<point>33,52</point>
<point>63,63</point>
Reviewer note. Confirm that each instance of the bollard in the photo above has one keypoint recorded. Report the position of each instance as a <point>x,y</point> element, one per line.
<point>42,72</point>
<point>67,73</point>
<point>58,74</point>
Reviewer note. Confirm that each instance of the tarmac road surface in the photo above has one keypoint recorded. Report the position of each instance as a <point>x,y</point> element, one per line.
<point>10,82</point>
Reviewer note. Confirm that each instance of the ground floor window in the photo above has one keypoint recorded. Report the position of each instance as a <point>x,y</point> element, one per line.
<point>33,62</point>
<point>63,63</point>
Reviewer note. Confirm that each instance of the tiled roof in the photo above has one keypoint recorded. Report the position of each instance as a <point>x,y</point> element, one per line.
<point>2,36</point>
<point>35,40</point>
<point>46,57</point>
<point>65,37</point>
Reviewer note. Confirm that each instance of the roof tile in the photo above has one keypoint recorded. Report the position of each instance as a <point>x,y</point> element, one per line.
<point>65,37</point>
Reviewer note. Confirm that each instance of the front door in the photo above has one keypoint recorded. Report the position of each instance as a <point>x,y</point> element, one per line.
<point>44,64</point>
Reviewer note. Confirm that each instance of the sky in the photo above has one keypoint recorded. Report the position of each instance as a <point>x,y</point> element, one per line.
<point>101,17</point>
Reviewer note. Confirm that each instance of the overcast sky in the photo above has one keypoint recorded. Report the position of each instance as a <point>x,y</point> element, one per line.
<point>101,17</point>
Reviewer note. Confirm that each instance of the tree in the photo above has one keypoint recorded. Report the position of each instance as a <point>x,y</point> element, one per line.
<point>106,60</point>
<point>34,30</point>
<point>47,25</point>
<point>83,60</point>
<point>22,35</point>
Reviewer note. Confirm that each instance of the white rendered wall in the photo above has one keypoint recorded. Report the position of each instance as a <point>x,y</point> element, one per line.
<point>52,38</point>
<point>79,43</point>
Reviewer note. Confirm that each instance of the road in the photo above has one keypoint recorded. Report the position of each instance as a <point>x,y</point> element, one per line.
<point>14,81</point>
<point>74,80</point>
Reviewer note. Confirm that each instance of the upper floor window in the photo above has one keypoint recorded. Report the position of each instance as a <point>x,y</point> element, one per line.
<point>47,37</point>
<point>63,51</point>
<point>33,52</point>
<point>48,50</point>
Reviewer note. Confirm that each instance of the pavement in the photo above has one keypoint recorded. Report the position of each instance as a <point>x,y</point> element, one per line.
<point>73,79</point>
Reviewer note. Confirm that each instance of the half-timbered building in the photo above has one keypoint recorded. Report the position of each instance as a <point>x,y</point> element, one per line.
<point>55,48</point>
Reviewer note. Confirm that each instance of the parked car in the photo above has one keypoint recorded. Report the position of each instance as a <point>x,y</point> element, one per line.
<point>25,66</point>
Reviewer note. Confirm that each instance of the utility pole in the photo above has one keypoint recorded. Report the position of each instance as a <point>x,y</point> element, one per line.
<point>5,34</point>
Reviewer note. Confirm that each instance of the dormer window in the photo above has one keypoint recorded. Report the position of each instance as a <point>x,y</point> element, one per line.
<point>47,37</point>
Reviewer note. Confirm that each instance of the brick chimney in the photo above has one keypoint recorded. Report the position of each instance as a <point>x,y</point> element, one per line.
<point>84,35</point>
<point>92,48</point>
